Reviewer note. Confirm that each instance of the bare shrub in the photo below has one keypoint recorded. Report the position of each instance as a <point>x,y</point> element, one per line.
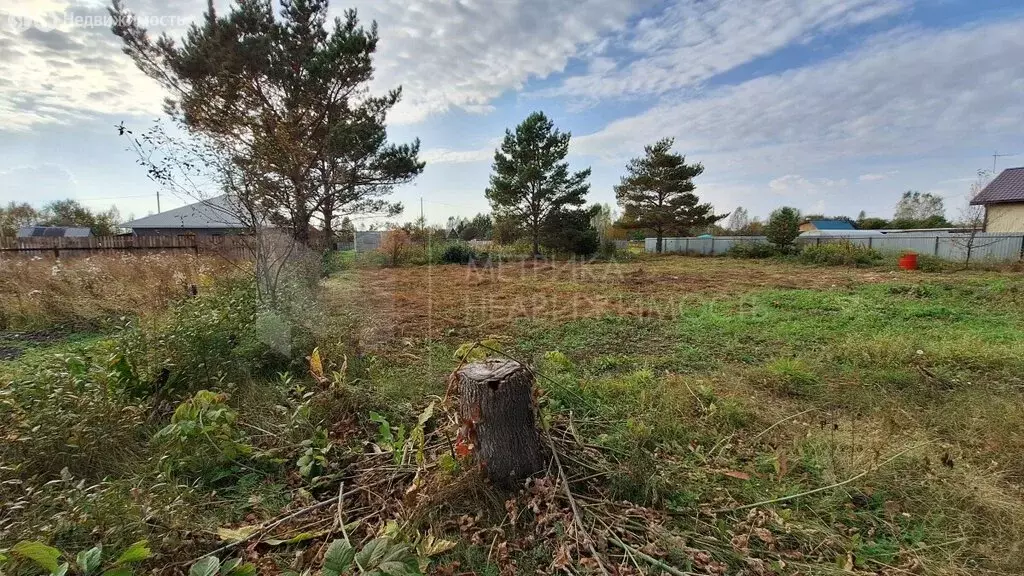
<point>395,246</point>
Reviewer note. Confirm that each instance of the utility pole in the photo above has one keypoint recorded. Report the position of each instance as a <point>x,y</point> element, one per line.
<point>158,200</point>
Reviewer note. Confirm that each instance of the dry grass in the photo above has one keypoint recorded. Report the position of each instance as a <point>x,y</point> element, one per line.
<point>84,292</point>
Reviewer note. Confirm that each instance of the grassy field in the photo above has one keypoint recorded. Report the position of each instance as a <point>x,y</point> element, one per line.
<point>731,382</point>
<point>714,416</point>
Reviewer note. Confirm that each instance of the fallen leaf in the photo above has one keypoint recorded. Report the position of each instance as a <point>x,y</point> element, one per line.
<point>736,474</point>
<point>236,534</point>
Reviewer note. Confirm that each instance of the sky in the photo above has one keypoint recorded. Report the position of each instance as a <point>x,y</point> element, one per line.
<point>831,106</point>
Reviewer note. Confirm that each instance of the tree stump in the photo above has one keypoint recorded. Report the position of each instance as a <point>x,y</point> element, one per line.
<point>496,408</point>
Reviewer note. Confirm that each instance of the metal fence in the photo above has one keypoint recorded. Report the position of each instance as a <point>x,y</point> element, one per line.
<point>984,246</point>
<point>368,240</point>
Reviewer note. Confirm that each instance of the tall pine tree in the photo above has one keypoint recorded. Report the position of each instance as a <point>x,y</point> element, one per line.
<point>530,181</point>
<point>656,193</point>
<point>285,98</point>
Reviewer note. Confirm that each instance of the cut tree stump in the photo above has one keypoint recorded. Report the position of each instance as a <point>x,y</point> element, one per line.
<point>496,408</point>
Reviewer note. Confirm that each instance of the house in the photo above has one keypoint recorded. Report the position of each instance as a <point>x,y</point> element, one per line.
<point>217,216</point>
<point>816,225</point>
<point>53,232</point>
<point>1003,200</point>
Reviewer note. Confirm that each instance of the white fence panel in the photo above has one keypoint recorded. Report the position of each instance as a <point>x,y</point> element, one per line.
<point>704,246</point>
<point>994,247</point>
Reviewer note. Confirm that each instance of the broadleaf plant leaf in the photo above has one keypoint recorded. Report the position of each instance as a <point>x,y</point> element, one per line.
<point>338,558</point>
<point>42,555</point>
<point>205,567</point>
<point>89,560</point>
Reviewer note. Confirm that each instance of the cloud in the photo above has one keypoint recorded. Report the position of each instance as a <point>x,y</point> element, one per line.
<point>797,185</point>
<point>691,41</point>
<point>464,53</point>
<point>446,156</point>
<point>51,39</point>
<point>871,177</point>
<point>64,65</point>
<point>445,54</point>
<point>901,95</point>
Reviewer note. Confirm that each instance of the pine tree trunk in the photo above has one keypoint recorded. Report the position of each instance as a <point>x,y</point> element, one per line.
<point>497,411</point>
<point>328,217</point>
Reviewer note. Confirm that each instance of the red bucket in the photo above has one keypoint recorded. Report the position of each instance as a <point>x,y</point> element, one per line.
<point>908,261</point>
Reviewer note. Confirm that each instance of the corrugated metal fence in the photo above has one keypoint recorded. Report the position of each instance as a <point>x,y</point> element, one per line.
<point>995,247</point>
<point>368,240</point>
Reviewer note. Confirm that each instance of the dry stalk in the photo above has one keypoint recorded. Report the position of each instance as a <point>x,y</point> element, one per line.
<point>824,488</point>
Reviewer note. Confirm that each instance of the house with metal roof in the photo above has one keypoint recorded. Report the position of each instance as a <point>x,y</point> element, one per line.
<point>1003,200</point>
<point>816,225</point>
<point>216,216</point>
<point>53,232</point>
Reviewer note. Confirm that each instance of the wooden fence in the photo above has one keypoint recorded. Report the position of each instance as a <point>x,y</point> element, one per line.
<point>231,247</point>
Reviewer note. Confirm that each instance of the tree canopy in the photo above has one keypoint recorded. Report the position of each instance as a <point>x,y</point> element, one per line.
<point>657,193</point>
<point>285,99</point>
<point>530,179</point>
<point>919,210</point>
<point>738,221</point>
<point>14,216</point>
<point>69,212</point>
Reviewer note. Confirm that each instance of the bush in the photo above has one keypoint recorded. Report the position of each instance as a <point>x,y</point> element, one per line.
<point>202,441</point>
<point>928,263</point>
<point>67,412</point>
<point>569,232</point>
<point>840,254</point>
<point>395,246</point>
<point>752,250</point>
<point>223,333</point>
<point>458,253</point>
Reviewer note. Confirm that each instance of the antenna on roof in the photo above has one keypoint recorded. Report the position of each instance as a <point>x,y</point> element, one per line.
<point>996,155</point>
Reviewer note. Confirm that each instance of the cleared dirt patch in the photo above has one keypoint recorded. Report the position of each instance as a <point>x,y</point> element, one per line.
<point>452,299</point>
<point>13,344</point>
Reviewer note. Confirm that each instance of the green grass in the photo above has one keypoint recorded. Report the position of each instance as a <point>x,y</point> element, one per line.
<point>886,365</point>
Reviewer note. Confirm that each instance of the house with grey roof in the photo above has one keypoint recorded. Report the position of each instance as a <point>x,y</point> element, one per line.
<point>1003,200</point>
<point>216,216</point>
<point>54,232</point>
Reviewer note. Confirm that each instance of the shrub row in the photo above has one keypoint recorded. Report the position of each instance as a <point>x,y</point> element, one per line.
<point>830,254</point>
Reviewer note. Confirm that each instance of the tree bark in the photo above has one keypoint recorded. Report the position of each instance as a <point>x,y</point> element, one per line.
<point>328,214</point>
<point>496,408</point>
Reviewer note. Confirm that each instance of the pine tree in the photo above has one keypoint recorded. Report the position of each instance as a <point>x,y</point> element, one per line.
<point>783,227</point>
<point>530,180</point>
<point>657,193</point>
<point>285,99</point>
